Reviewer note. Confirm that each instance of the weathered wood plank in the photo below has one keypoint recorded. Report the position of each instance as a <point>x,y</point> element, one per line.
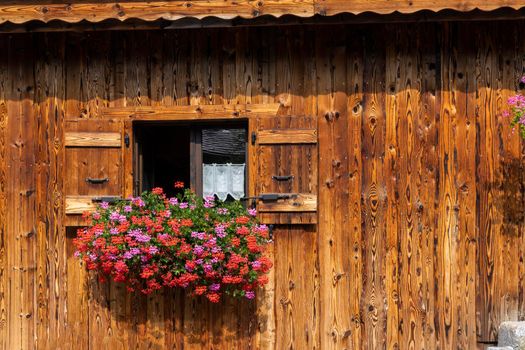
<point>77,11</point>
<point>4,170</point>
<point>331,7</point>
<point>150,10</point>
<point>92,139</point>
<point>300,202</point>
<point>394,142</point>
<point>191,112</point>
<point>286,136</point>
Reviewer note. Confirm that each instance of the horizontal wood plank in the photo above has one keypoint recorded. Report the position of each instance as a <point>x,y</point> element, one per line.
<point>287,136</point>
<point>92,139</point>
<point>304,202</point>
<point>332,7</point>
<point>79,204</point>
<point>189,112</point>
<point>96,11</point>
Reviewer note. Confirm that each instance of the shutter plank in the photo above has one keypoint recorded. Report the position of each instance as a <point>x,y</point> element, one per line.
<point>79,204</point>
<point>93,139</point>
<point>304,202</point>
<point>287,136</point>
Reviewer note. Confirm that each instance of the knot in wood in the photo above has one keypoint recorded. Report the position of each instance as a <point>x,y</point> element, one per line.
<point>45,10</point>
<point>330,183</point>
<point>329,116</point>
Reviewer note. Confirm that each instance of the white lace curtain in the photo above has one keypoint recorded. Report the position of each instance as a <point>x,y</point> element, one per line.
<point>222,180</point>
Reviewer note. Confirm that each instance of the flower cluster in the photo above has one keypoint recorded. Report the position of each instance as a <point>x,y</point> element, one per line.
<point>206,246</point>
<point>517,111</point>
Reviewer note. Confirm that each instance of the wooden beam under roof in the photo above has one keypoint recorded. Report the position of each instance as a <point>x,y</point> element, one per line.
<point>22,11</point>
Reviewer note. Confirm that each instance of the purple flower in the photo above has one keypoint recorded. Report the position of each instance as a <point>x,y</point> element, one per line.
<point>138,201</point>
<point>522,79</point>
<point>198,235</point>
<point>163,236</point>
<point>143,238</point>
<point>99,232</point>
<point>198,250</point>
<point>77,254</point>
<point>173,201</point>
<point>207,267</point>
<point>128,255</point>
<point>252,211</point>
<point>222,211</point>
<point>192,207</point>
<point>250,294</point>
<point>199,261</point>
<point>114,216</point>
<point>216,250</point>
<point>209,202</point>
<point>215,287</point>
<point>104,205</point>
<point>153,250</point>
<point>134,251</point>
<point>220,231</point>
<point>127,209</point>
<point>113,231</point>
<point>256,264</point>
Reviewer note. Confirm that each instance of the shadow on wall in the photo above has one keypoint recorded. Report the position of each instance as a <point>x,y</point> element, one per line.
<point>511,196</point>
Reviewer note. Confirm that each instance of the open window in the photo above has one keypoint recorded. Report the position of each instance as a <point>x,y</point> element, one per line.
<point>210,158</point>
<point>272,160</point>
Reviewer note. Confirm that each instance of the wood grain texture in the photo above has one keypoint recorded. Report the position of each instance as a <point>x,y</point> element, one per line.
<point>300,202</point>
<point>288,136</point>
<point>92,139</point>
<point>191,112</point>
<point>417,241</point>
<point>96,11</point>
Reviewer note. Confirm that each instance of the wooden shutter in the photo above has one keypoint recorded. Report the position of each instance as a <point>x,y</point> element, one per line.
<point>95,157</point>
<point>285,164</point>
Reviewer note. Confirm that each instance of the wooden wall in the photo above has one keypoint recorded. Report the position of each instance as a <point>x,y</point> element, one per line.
<point>419,242</point>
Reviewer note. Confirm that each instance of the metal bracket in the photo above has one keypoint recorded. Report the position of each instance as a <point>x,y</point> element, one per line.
<point>272,197</point>
<point>108,199</point>
<point>96,181</point>
<point>283,177</point>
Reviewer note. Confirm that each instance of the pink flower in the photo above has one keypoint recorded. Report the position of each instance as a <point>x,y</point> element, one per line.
<point>215,287</point>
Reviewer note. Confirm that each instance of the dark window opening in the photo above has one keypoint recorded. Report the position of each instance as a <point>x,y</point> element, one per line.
<point>211,159</point>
